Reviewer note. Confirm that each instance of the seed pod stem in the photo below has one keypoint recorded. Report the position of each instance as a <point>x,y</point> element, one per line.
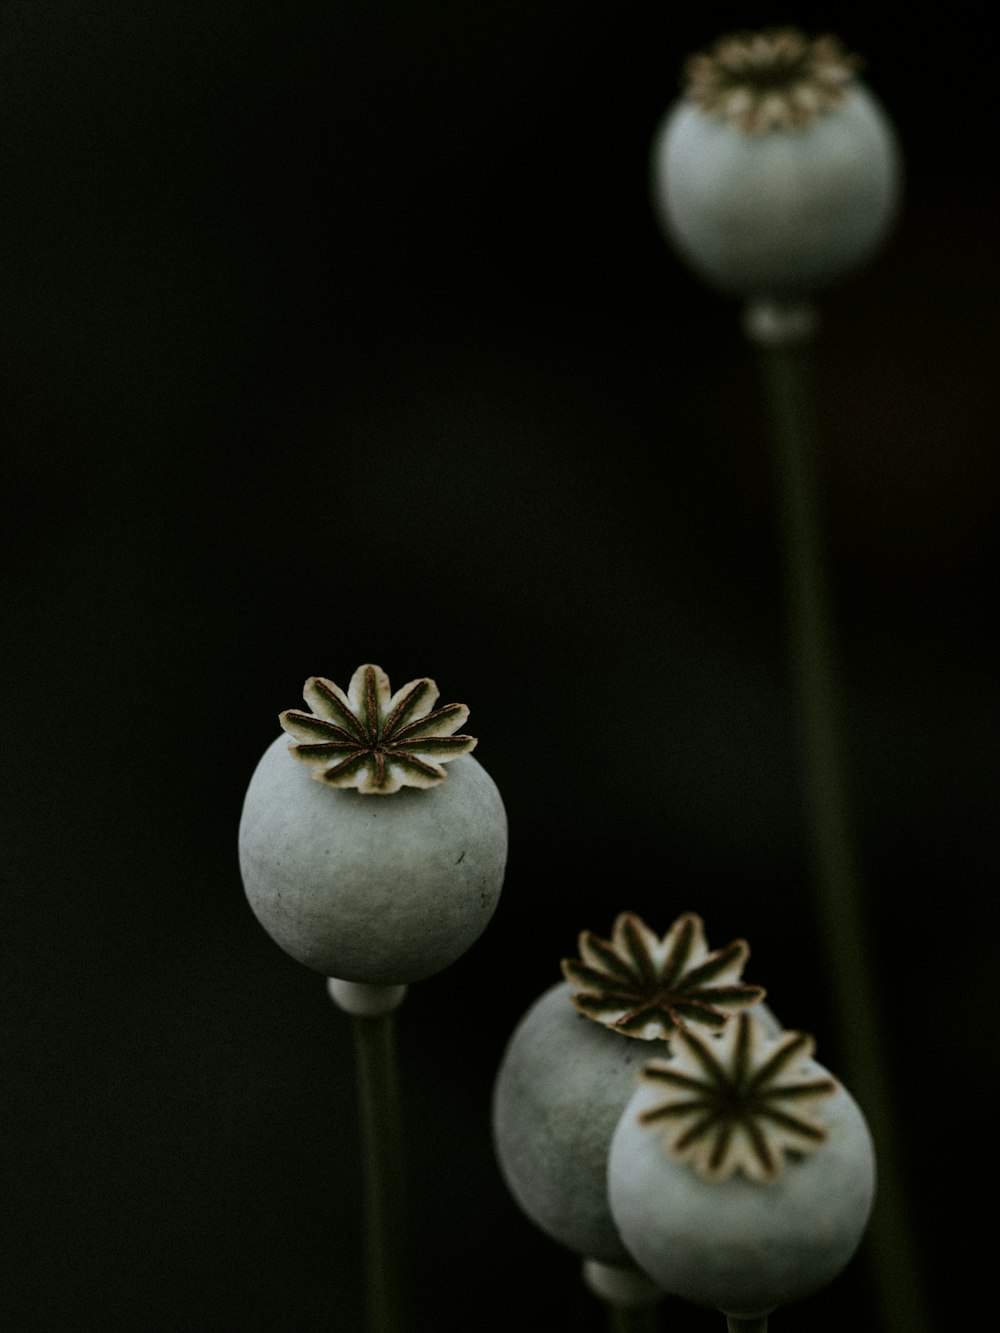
<point>378,1105</point>
<point>630,1297</point>
<point>786,375</point>
<point>746,1323</point>
<point>642,1320</point>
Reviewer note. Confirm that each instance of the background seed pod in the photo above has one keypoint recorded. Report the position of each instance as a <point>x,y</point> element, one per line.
<point>780,212</point>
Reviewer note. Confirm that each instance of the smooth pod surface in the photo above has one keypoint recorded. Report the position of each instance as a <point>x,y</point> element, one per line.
<point>739,1245</point>
<point>782,212</point>
<point>378,889</point>
<point>560,1090</point>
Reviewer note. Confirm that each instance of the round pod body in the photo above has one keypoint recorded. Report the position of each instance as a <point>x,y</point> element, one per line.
<point>781,212</point>
<point>559,1093</point>
<point>383,890</point>
<point>740,1245</point>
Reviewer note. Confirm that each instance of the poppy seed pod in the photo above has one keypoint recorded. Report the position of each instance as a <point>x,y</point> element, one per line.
<point>559,1094</point>
<point>358,858</point>
<point>777,172</point>
<point>741,1174</point>
<point>571,1064</point>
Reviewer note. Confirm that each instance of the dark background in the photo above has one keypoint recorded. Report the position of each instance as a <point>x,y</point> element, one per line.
<point>341,332</point>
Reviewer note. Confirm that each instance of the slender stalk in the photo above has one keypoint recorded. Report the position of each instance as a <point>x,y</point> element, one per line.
<point>841,917</point>
<point>640,1319</point>
<point>630,1297</point>
<point>754,1324</point>
<point>374,1040</point>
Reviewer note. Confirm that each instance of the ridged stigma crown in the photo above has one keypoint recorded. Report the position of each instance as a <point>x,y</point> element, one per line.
<point>372,739</point>
<point>645,986</point>
<point>739,1102</point>
<point>773,80</point>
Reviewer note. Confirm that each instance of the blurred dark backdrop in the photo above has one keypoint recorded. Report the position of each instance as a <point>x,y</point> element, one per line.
<point>341,332</point>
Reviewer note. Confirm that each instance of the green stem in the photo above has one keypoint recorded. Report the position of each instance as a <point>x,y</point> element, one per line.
<point>638,1319</point>
<point>753,1324</point>
<point>850,973</point>
<point>631,1298</point>
<point>374,1040</point>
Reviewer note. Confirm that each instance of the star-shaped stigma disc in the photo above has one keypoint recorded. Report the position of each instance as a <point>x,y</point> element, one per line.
<point>643,986</point>
<point>739,1101</point>
<point>375,740</point>
<point>777,79</point>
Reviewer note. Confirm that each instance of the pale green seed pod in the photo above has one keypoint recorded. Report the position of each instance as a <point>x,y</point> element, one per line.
<point>349,869</point>
<point>570,1067</point>
<point>559,1094</point>
<point>741,1174</point>
<point>778,172</point>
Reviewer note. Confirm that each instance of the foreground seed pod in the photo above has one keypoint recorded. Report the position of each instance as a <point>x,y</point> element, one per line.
<point>361,855</point>
<point>571,1064</point>
<point>741,1173</point>
<point>778,171</point>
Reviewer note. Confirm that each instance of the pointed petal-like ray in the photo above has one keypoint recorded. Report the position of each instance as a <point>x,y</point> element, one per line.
<point>815,1091</point>
<point>693,1011</point>
<point>683,942</point>
<point>650,1022</point>
<point>637,944</point>
<point>409,704</point>
<point>326,753</point>
<point>441,722</point>
<point>733,997</point>
<point>306,727</point>
<point>694,1135</point>
<point>345,774</point>
<point>442,748</point>
<point>714,1160</point>
<point>796,1127</point>
<point>664,1071</point>
<point>369,693</point>
<point>677,1117</point>
<point>592,979</point>
<point>722,965</point>
<point>741,1052</point>
<point>329,701</point>
<point>605,1009</point>
<point>604,958</point>
<point>419,773</point>
<point>763,1161</point>
<point>703,1053</point>
<point>378,779</point>
<point>791,1046</point>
